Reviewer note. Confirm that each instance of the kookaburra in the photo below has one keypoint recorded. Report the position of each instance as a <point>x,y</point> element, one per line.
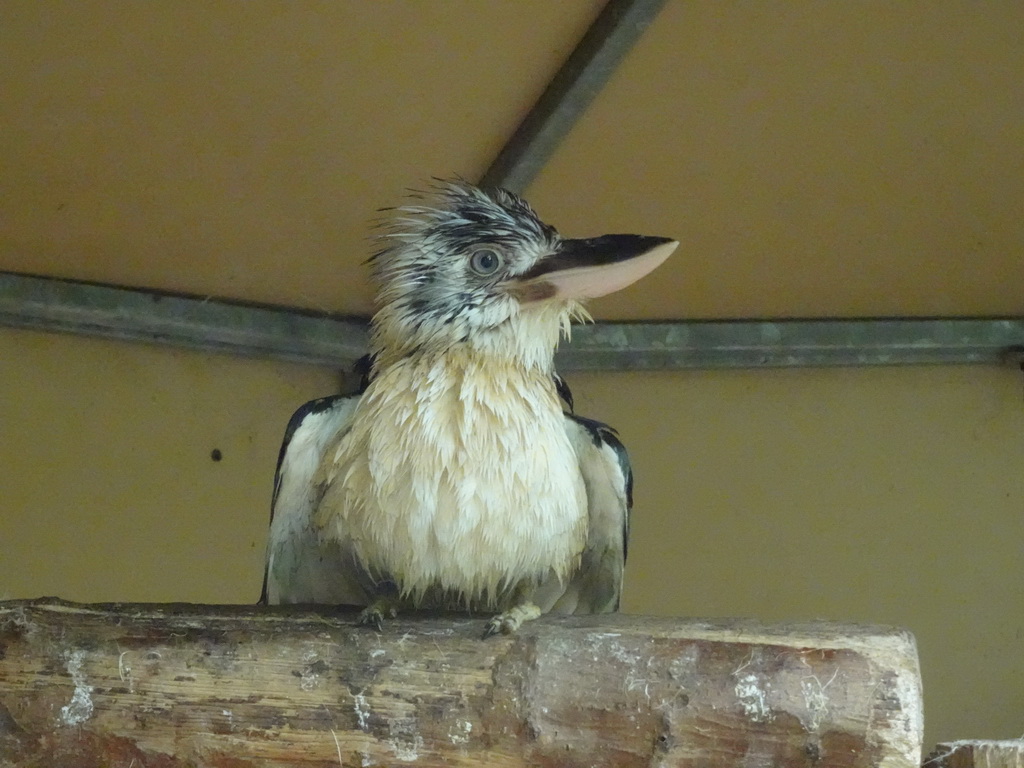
<point>456,479</point>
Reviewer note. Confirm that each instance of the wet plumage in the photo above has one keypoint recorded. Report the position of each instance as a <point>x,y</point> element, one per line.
<point>456,479</point>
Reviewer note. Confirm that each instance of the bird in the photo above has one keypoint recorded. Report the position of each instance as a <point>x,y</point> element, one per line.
<point>459,477</point>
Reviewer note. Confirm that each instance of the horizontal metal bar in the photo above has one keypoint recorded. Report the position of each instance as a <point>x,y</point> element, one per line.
<point>299,336</point>
<point>588,68</point>
<point>210,325</point>
<point>793,343</point>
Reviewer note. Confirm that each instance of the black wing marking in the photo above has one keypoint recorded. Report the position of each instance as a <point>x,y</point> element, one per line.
<point>313,406</point>
<point>319,405</point>
<point>364,368</point>
<point>602,433</point>
<point>562,387</point>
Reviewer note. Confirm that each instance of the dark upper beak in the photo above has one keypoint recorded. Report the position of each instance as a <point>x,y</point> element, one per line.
<point>586,269</point>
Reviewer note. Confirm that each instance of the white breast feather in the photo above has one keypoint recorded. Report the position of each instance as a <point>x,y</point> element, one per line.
<point>457,475</point>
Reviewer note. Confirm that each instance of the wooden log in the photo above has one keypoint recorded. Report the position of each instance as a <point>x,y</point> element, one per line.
<point>978,753</point>
<point>169,686</point>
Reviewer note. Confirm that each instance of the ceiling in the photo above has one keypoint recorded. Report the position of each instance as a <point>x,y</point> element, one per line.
<point>814,159</point>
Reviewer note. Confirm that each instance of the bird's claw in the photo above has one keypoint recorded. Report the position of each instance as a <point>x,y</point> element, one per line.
<point>371,617</point>
<point>493,627</point>
<point>374,615</point>
<point>509,622</point>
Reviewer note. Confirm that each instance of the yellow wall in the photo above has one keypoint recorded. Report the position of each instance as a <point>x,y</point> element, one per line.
<point>876,495</point>
<point>109,489</point>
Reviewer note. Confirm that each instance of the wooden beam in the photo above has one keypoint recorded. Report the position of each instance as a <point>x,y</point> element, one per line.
<point>978,753</point>
<point>240,686</point>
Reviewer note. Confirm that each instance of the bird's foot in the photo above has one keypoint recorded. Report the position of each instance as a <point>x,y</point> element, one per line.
<point>375,613</point>
<point>508,623</point>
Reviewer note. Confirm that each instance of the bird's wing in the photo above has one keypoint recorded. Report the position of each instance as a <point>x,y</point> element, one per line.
<point>562,387</point>
<point>300,569</point>
<point>597,586</point>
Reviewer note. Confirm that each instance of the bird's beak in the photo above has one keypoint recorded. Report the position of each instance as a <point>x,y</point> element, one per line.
<point>586,269</point>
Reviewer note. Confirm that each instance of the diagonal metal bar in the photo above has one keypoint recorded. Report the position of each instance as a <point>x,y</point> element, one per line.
<point>613,33</point>
<point>280,333</point>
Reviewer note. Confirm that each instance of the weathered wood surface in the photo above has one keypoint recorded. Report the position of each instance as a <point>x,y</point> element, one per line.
<point>1007,753</point>
<point>168,686</point>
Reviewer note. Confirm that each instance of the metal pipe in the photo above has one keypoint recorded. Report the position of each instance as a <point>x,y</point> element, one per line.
<point>792,343</point>
<point>300,336</point>
<point>591,64</point>
<point>211,325</point>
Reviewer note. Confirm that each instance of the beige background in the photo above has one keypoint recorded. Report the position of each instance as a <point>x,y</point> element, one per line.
<point>841,159</point>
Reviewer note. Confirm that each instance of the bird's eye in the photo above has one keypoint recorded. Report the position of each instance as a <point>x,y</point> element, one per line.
<point>485,261</point>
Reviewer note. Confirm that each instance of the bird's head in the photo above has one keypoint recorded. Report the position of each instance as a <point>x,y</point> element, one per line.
<point>478,267</point>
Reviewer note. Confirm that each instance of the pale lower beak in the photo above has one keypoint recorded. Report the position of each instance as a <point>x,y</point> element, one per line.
<point>586,269</point>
